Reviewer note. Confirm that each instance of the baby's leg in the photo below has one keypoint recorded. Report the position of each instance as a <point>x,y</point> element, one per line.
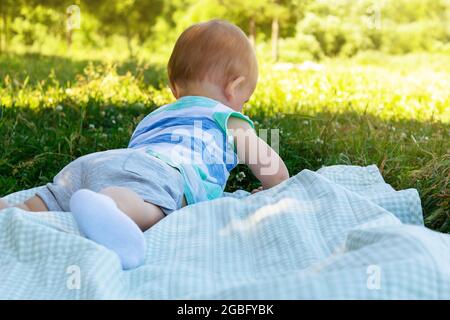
<point>33,204</point>
<point>3,204</point>
<point>144,214</point>
<point>115,218</point>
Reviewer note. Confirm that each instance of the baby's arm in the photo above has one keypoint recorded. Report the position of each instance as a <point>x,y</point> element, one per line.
<point>262,160</point>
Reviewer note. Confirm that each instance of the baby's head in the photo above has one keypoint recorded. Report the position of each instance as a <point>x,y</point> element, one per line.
<point>214,59</point>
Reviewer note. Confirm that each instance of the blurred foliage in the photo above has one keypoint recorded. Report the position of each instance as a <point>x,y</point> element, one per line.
<point>308,29</point>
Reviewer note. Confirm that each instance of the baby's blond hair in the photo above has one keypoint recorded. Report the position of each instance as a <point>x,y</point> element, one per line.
<point>217,51</point>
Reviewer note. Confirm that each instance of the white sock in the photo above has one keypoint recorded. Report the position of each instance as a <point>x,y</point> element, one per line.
<point>100,220</point>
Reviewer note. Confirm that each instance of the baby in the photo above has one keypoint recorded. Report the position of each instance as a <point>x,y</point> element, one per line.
<point>180,154</point>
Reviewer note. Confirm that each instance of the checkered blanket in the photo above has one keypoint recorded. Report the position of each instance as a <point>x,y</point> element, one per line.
<point>338,233</point>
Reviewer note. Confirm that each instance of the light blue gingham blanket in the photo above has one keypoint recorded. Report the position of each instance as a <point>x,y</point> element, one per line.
<point>337,233</point>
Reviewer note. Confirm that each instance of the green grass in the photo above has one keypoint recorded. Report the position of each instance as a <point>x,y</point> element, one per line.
<point>390,111</point>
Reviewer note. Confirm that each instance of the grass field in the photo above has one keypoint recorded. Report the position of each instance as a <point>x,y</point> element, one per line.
<point>372,109</point>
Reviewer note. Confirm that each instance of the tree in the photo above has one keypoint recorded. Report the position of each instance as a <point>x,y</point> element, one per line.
<point>271,13</point>
<point>32,21</point>
<point>129,18</point>
<point>8,9</point>
<point>247,14</point>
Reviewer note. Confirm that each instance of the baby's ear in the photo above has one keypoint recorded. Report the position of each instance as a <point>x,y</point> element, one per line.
<point>230,90</point>
<point>173,88</point>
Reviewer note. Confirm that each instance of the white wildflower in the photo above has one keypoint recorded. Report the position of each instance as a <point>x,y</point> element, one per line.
<point>240,176</point>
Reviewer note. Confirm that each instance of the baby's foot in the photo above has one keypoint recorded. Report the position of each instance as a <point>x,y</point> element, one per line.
<point>3,204</point>
<point>100,219</point>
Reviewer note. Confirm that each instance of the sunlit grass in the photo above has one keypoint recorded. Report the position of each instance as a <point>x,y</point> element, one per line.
<point>415,91</point>
<point>337,86</point>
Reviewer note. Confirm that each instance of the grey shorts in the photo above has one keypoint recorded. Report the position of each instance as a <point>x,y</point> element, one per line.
<point>151,178</point>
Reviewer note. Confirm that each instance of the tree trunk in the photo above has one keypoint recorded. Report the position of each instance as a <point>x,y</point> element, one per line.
<point>129,39</point>
<point>130,47</point>
<point>2,30</point>
<point>252,31</point>
<point>1,37</point>
<point>69,38</point>
<point>5,31</point>
<point>275,35</point>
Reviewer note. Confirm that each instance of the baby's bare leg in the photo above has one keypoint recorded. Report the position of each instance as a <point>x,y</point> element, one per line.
<point>144,214</point>
<point>3,204</point>
<point>34,204</point>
